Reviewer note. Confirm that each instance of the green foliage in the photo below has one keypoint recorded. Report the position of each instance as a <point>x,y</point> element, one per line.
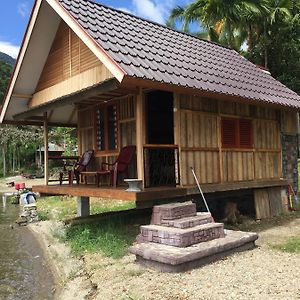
<point>291,246</point>
<point>112,237</point>
<point>268,29</point>
<point>62,207</point>
<point>7,59</point>
<point>43,215</point>
<point>5,73</point>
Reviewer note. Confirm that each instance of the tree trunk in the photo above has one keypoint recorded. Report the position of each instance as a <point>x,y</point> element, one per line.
<point>14,159</point>
<point>4,159</point>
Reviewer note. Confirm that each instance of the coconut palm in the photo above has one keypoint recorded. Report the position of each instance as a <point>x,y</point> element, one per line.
<point>225,19</point>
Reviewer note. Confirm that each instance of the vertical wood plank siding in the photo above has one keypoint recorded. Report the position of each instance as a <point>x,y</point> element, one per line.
<point>200,145</point>
<point>70,67</point>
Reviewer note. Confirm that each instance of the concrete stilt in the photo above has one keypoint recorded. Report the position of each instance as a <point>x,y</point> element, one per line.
<point>83,206</point>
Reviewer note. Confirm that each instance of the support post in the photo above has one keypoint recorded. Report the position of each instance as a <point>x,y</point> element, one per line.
<point>83,206</point>
<point>46,155</point>
<point>140,136</point>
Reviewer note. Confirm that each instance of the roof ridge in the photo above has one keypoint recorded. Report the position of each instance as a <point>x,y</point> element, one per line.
<point>158,24</point>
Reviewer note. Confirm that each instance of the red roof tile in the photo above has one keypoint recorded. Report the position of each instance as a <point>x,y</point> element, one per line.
<point>147,50</point>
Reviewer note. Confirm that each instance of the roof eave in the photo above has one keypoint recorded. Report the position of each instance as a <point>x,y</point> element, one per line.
<point>152,84</point>
<point>20,58</point>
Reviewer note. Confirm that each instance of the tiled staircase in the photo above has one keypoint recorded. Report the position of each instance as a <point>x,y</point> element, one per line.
<point>179,238</point>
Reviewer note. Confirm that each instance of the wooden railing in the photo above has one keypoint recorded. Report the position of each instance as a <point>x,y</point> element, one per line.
<point>161,165</point>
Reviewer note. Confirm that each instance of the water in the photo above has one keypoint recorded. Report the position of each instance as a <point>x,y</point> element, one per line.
<point>24,273</point>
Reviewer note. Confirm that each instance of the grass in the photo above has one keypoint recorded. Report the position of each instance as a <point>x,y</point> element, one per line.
<point>111,236</point>
<point>291,246</point>
<point>61,207</point>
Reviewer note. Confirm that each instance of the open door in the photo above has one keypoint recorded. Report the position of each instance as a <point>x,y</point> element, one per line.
<point>159,153</point>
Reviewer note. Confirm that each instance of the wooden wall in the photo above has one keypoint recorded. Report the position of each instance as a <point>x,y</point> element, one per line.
<point>70,66</point>
<point>198,122</point>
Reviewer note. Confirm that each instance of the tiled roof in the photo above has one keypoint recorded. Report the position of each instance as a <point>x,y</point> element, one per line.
<point>147,50</point>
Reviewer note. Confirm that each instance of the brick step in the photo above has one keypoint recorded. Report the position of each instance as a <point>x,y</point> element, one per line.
<point>173,211</point>
<point>179,237</point>
<point>173,259</point>
<point>200,219</point>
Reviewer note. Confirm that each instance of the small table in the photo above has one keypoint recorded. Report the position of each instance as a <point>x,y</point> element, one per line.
<point>103,173</point>
<point>134,184</point>
<point>86,174</point>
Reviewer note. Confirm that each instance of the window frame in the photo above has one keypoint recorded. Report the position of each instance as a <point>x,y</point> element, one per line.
<point>237,133</point>
<point>105,109</point>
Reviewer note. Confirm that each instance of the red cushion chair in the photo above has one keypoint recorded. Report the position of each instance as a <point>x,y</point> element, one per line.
<point>119,166</point>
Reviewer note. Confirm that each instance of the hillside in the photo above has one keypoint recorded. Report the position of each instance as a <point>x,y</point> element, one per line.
<point>6,66</point>
<point>6,58</point>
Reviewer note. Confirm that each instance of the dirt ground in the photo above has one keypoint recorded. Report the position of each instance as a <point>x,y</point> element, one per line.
<point>262,273</point>
<point>18,179</point>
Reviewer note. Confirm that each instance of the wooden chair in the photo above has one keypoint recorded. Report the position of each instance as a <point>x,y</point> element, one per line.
<point>79,166</point>
<point>119,166</point>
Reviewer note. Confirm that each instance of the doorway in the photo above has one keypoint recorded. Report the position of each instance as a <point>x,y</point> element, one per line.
<point>160,157</point>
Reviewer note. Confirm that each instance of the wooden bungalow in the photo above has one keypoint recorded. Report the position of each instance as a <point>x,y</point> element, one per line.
<point>184,102</point>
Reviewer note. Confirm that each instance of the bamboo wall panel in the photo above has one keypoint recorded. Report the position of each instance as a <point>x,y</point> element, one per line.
<point>85,129</point>
<point>128,133</point>
<point>197,103</point>
<point>289,122</point>
<point>205,163</point>
<point>68,57</point>
<point>200,141</point>
<point>75,83</point>
<point>237,166</point>
<point>86,140</point>
<point>198,130</point>
<point>266,134</point>
<point>70,67</point>
<point>127,108</point>
<point>268,165</point>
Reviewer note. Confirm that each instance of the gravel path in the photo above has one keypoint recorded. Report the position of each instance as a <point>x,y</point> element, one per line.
<point>263,273</point>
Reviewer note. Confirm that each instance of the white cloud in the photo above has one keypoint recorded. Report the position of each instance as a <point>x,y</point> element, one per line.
<point>155,10</point>
<point>23,9</point>
<point>9,49</point>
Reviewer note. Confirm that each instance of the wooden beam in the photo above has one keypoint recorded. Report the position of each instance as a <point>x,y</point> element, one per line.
<point>140,135</point>
<point>72,115</point>
<point>50,115</point>
<point>103,87</point>
<point>39,123</point>
<point>46,154</point>
<point>22,96</point>
<point>155,85</point>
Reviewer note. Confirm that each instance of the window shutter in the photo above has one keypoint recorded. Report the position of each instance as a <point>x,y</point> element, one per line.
<point>229,136</point>
<point>245,133</point>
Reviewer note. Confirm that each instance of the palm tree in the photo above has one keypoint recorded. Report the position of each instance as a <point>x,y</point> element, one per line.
<point>224,20</point>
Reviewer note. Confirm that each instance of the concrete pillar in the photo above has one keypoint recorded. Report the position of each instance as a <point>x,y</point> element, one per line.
<point>83,206</point>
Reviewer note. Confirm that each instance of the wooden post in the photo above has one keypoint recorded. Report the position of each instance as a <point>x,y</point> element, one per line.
<point>140,135</point>
<point>177,133</point>
<point>46,162</point>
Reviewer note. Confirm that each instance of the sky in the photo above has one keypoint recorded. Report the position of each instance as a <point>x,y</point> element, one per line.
<point>14,16</point>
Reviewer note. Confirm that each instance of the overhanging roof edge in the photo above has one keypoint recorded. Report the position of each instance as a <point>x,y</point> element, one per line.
<point>105,86</point>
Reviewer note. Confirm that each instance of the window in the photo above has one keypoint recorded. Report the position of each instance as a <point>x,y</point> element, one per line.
<point>236,133</point>
<point>107,128</point>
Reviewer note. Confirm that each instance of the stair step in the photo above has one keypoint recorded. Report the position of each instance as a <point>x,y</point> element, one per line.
<point>173,259</point>
<point>180,237</point>
<point>200,219</point>
<point>173,211</point>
